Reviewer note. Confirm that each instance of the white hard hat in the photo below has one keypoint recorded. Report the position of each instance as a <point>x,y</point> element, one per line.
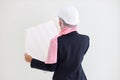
<point>69,14</point>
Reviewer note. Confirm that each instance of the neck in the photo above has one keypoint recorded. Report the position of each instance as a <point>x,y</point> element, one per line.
<point>63,27</point>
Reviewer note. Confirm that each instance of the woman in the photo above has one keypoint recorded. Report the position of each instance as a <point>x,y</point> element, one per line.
<point>66,50</point>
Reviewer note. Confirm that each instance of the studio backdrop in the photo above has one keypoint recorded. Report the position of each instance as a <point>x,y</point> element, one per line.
<point>99,19</point>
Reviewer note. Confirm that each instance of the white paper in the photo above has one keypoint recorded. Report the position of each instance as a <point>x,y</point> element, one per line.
<point>38,38</point>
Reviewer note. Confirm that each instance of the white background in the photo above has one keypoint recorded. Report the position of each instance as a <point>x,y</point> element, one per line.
<point>100,19</point>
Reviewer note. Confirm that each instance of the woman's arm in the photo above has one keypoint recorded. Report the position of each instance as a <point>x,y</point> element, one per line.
<point>34,63</point>
<point>41,65</point>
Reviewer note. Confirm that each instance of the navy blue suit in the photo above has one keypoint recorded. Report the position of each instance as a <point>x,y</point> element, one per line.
<point>71,50</point>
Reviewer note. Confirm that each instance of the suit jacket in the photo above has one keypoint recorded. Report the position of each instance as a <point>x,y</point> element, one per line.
<point>71,50</point>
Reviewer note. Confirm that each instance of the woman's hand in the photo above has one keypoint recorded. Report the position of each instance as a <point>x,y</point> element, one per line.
<point>28,58</point>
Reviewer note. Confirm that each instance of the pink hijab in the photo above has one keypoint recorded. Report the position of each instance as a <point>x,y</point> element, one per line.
<point>52,52</point>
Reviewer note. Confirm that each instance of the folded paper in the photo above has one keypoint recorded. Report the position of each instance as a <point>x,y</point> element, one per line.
<point>37,39</point>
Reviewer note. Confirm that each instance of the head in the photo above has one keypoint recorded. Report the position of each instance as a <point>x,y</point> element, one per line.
<point>63,24</point>
<point>68,17</point>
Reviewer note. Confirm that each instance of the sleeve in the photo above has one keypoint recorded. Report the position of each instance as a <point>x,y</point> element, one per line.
<point>41,65</point>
